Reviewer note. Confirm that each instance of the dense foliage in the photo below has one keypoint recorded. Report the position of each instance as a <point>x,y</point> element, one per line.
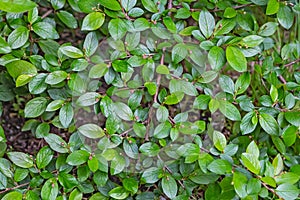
<point>151,99</point>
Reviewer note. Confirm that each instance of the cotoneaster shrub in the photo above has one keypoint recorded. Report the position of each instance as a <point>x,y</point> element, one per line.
<point>149,99</point>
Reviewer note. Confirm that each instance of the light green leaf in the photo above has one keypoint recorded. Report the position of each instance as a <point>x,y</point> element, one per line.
<point>66,115</point>
<point>236,59</point>
<point>35,107</point>
<point>269,124</point>
<point>220,166</point>
<point>71,51</point>
<point>88,99</point>
<point>123,111</point>
<point>18,37</point>
<point>50,189</point>
<point>206,23</point>
<point>44,157</point>
<point>117,28</point>
<point>92,131</point>
<point>56,77</point>
<point>293,117</point>
<point>93,21</point>
<point>128,4</point>
<point>111,4</point>
<point>285,17</point>
<point>20,67</point>
<point>219,140</point>
<point>45,30</point>
<point>78,157</point>
<point>20,159</point>
<point>15,195</point>
<point>67,18</point>
<point>251,162</point>
<point>287,191</point>
<point>272,7</point>
<point>56,143</point>
<point>169,186</point>
<point>17,6</point>
<point>253,149</point>
<point>216,58</point>
<point>118,193</point>
<point>229,110</point>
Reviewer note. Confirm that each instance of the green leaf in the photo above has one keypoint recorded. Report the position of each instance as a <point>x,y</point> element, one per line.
<point>174,98</point>
<point>247,126</point>
<point>242,83</point>
<point>274,93</point>
<point>169,186</point>
<point>117,28</point>
<point>183,13</point>
<point>66,115</point>
<point>162,69</point>
<point>71,51</point>
<point>56,143</point>
<point>18,37</point>
<point>23,80</point>
<point>220,166</point>
<point>216,58</point>
<point>54,105</point>
<point>44,157</point>
<point>287,191</point>
<point>56,77</point>
<point>162,114</point>
<point>16,6</point>
<point>20,67</point>
<point>50,189</point>
<point>93,21</point>
<point>251,41</point>
<point>117,165</point>
<point>229,12</point>
<point>118,193</point>
<point>293,117</point>
<point>45,30</point>
<point>150,6</point>
<point>99,70</point>
<point>88,99</point>
<point>288,177</point>
<point>162,130</point>
<point>268,29</point>
<point>136,12</point>
<point>206,23</point>
<point>68,19</point>
<point>219,140</point>
<point>35,107</point>
<point>240,183</point>
<point>67,180</point>
<point>111,4</point>
<point>179,52</point>
<point>15,195</point>
<point>289,135</point>
<point>251,162</point>
<point>123,111</point>
<point>226,84</point>
<point>272,7</point>
<point>78,157</point>
<point>131,185</point>
<point>93,164</point>
<point>149,149</point>
<point>128,4</point>
<point>4,46</point>
<point>278,165</point>
<point>236,59</point>
<point>253,150</point>
<point>151,87</point>
<point>285,17</point>
<point>269,124</point>
<point>92,131</point>
<point>229,110</point>
<point>20,159</point>
<point>90,44</point>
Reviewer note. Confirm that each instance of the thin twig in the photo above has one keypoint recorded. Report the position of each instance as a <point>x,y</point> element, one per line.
<point>46,14</point>
<point>170,5</point>
<point>282,79</point>
<point>13,188</point>
<point>293,62</point>
<point>270,189</point>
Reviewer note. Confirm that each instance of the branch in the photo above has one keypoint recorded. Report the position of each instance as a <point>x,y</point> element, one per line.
<point>293,62</point>
<point>13,188</point>
<point>270,189</point>
<point>46,14</point>
<point>170,5</point>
